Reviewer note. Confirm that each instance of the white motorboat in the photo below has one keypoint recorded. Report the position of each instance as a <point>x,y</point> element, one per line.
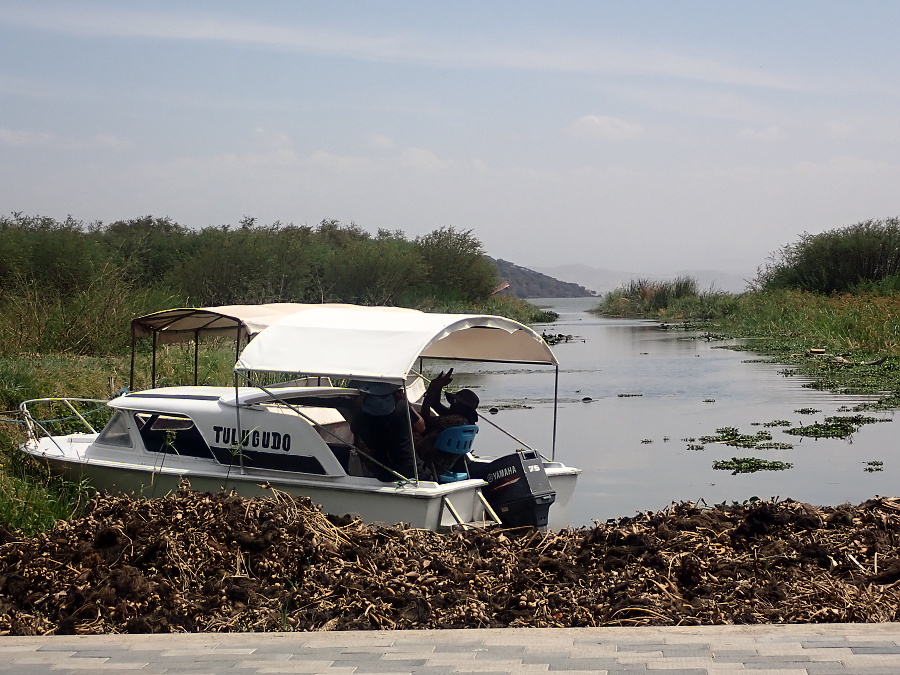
<point>295,435</point>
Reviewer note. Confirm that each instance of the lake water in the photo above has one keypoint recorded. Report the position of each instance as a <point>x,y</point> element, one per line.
<point>631,448</point>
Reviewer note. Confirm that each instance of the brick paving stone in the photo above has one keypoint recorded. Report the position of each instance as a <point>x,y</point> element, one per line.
<point>893,649</point>
<point>777,664</point>
<point>213,653</point>
<point>448,659</point>
<point>501,666</point>
<point>874,660</point>
<point>460,649</point>
<point>782,658</point>
<point>820,649</point>
<point>399,656</point>
<point>379,666</point>
<point>304,668</point>
<point>680,651</point>
<point>611,665</point>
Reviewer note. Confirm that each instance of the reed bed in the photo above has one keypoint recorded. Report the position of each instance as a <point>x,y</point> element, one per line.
<point>867,323</point>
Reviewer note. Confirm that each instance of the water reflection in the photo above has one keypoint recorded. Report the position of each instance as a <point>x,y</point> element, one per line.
<point>651,389</point>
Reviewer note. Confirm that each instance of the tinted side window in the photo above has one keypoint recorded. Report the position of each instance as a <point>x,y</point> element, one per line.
<point>172,434</point>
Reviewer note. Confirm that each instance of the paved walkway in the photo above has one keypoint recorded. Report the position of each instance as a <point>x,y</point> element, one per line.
<point>820,649</point>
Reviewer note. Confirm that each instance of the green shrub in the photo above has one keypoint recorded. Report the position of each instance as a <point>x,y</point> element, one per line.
<point>839,260</point>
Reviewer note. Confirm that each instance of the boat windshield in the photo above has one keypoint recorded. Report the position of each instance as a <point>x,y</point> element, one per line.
<point>116,431</point>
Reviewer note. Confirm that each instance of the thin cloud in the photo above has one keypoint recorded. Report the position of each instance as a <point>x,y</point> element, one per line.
<point>419,158</point>
<point>583,57</point>
<point>770,133</point>
<point>847,164</point>
<point>19,139</point>
<point>381,142</point>
<point>23,138</point>
<point>606,128</point>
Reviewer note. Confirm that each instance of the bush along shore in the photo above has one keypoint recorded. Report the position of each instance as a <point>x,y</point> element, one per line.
<point>195,562</point>
<point>828,304</point>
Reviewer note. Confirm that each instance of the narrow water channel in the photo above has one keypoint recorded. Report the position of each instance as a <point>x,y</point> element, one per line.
<point>650,391</point>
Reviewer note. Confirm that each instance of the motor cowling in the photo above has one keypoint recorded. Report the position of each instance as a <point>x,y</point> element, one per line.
<point>518,488</point>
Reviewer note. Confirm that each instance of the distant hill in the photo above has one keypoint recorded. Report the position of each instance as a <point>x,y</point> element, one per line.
<point>602,280</point>
<point>526,283</point>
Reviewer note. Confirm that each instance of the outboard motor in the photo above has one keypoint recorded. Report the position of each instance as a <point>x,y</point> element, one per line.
<point>518,488</point>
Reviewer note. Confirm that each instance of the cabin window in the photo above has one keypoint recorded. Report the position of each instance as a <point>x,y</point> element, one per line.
<point>171,434</point>
<point>255,459</point>
<point>116,431</point>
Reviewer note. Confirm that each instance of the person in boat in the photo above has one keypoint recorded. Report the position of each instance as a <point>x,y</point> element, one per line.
<point>462,410</point>
<point>387,425</point>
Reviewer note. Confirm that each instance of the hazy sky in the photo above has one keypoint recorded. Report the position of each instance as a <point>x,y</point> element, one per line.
<point>638,135</point>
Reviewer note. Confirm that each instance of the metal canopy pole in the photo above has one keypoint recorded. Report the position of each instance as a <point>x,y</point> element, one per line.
<point>133,349</point>
<point>237,342</point>
<point>412,444</point>
<point>196,354</point>
<point>153,367</point>
<point>555,409</point>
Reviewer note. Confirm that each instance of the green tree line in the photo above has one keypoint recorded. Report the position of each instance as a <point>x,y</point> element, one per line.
<point>838,290</point>
<point>72,287</point>
<point>860,257</point>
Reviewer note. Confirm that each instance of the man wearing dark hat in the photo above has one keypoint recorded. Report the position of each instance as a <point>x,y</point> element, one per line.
<point>437,416</point>
<point>383,423</point>
<point>462,408</point>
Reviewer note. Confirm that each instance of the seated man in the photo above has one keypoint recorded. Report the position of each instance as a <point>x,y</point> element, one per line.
<point>383,423</point>
<point>437,417</point>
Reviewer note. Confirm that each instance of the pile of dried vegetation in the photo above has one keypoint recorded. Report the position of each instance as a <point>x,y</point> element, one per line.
<point>219,562</point>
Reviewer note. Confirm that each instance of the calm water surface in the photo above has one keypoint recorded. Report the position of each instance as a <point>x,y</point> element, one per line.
<point>688,388</point>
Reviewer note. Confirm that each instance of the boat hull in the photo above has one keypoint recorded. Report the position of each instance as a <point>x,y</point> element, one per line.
<point>562,479</point>
<point>424,505</point>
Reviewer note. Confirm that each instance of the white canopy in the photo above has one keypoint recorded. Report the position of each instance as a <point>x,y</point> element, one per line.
<point>235,321</point>
<point>383,343</point>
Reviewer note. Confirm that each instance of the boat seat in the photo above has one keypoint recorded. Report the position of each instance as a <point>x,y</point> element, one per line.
<point>455,441</point>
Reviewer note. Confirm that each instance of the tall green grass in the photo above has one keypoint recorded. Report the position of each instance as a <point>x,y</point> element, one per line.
<point>867,322</point>
<point>677,299</point>
<point>31,499</point>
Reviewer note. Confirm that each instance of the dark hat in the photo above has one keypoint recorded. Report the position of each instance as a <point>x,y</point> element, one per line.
<point>466,401</point>
<point>378,397</point>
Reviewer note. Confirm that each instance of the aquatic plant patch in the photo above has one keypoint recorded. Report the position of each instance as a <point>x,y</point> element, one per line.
<point>837,426</point>
<point>733,437</point>
<point>750,465</point>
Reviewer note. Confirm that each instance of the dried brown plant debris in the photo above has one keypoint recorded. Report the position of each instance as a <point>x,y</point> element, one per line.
<point>218,562</point>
